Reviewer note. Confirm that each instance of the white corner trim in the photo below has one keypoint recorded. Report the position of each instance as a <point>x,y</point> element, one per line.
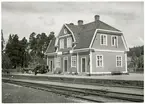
<point>70,31</point>
<point>101,30</point>
<point>91,62</point>
<point>124,42</point>
<point>77,63</point>
<point>126,62</point>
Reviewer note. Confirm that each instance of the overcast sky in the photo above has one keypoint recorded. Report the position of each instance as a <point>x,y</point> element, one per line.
<point>23,18</point>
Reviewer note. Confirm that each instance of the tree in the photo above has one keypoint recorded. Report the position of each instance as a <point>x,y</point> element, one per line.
<point>13,50</point>
<point>2,41</point>
<point>134,60</point>
<point>23,54</point>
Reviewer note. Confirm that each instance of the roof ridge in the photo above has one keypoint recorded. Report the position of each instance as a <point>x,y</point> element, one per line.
<point>108,25</point>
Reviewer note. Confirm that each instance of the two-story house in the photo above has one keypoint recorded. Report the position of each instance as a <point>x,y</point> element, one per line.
<point>92,48</point>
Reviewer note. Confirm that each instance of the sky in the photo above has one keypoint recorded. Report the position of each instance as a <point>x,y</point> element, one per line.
<point>23,18</point>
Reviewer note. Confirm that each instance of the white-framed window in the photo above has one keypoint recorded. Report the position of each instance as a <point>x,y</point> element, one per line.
<point>73,61</point>
<point>58,62</point>
<point>103,39</point>
<point>118,61</point>
<point>61,43</point>
<point>65,31</point>
<point>99,60</point>
<point>114,40</point>
<point>69,42</point>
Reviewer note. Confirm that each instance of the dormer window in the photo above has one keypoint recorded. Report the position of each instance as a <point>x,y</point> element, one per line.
<point>114,40</point>
<point>65,31</point>
<point>103,39</point>
<point>69,42</point>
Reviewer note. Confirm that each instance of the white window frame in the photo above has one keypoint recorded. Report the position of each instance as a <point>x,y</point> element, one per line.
<point>116,43</point>
<point>99,61</point>
<point>118,60</point>
<point>61,43</point>
<point>58,62</point>
<point>103,39</point>
<point>69,42</point>
<point>75,60</point>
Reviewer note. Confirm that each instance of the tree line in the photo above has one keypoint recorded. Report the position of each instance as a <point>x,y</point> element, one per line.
<point>25,53</point>
<point>137,58</point>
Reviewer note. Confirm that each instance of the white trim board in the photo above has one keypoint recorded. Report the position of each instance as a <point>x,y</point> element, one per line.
<point>77,63</point>
<point>100,73</point>
<point>64,35</point>
<point>126,62</point>
<point>51,54</point>
<point>107,50</point>
<point>90,62</point>
<point>70,31</point>
<point>124,42</point>
<point>56,42</point>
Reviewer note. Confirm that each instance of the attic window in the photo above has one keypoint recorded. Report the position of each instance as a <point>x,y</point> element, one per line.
<point>114,40</point>
<point>65,31</point>
<point>103,39</point>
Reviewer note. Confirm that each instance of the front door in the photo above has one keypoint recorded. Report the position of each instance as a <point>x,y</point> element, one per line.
<point>65,64</point>
<point>83,64</point>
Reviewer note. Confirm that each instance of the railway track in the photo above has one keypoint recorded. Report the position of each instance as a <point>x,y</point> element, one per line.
<point>83,94</point>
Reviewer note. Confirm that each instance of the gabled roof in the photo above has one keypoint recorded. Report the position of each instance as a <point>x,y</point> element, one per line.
<point>83,34</point>
<point>51,46</point>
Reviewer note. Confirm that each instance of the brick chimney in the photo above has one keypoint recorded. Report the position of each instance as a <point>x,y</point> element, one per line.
<point>97,17</point>
<point>80,22</point>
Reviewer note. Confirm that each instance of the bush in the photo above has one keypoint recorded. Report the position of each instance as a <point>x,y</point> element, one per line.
<point>40,69</point>
<point>27,70</point>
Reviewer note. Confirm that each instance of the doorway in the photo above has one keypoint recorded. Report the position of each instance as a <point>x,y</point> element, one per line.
<point>83,64</point>
<point>51,66</point>
<point>65,64</point>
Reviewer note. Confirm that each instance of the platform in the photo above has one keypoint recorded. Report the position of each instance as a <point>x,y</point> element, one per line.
<point>131,80</point>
